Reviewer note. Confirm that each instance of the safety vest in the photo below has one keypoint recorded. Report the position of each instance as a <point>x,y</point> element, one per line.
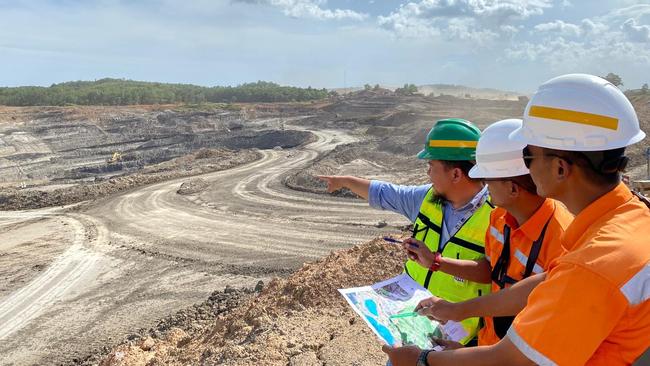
<point>468,244</point>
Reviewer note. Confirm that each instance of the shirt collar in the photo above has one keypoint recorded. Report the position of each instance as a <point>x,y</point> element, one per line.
<point>597,209</point>
<point>474,203</point>
<point>532,228</point>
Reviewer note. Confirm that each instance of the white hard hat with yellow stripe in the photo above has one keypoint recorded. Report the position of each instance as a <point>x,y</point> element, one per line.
<point>579,112</point>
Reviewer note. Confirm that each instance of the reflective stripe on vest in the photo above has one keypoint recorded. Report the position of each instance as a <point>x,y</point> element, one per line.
<point>468,243</point>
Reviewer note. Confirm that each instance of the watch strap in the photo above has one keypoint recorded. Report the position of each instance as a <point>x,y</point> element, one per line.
<point>422,360</point>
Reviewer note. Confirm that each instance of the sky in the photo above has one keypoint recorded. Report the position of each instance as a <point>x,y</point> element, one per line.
<point>507,44</point>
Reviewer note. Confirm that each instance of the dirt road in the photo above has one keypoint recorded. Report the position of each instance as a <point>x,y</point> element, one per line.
<point>78,279</point>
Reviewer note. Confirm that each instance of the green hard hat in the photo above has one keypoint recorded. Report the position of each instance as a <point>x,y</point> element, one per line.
<point>451,139</point>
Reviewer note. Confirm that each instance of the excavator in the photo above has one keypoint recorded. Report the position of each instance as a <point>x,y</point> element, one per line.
<point>117,157</point>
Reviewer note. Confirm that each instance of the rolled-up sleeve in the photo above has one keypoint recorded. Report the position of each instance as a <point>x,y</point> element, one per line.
<point>404,200</point>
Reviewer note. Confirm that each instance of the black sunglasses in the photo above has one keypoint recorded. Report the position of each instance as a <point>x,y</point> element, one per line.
<point>528,157</point>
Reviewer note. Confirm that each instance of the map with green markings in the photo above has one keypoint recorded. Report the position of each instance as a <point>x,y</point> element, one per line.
<point>388,309</point>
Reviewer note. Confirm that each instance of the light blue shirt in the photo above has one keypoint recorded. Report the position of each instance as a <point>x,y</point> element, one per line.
<point>406,201</point>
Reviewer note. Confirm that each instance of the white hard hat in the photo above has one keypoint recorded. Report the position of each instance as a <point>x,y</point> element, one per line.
<point>497,155</point>
<point>579,112</point>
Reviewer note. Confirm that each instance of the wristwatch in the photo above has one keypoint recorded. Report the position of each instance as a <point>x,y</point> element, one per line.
<point>422,360</point>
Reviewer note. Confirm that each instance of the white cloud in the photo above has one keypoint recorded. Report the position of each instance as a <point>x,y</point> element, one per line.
<point>501,9</point>
<point>558,26</point>
<point>309,9</point>
<point>590,27</point>
<point>585,28</point>
<point>511,44</point>
<point>477,20</point>
<point>566,4</point>
<point>597,45</point>
<point>636,33</point>
<point>638,12</point>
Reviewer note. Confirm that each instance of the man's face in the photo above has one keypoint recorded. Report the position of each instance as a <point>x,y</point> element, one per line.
<point>500,191</point>
<point>440,177</point>
<point>541,171</point>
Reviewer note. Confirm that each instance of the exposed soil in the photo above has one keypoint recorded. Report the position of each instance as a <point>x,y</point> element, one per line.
<point>200,203</point>
<point>301,320</point>
<point>204,161</point>
<point>123,262</point>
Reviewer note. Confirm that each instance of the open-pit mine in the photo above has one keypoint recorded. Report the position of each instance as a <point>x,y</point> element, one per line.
<point>126,226</point>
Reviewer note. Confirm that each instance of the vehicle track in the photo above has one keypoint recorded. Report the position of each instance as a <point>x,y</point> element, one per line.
<point>247,216</point>
<point>74,267</point>
<point>138,256</point>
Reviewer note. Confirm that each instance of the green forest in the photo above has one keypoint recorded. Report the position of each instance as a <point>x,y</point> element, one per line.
<point>128,92</point>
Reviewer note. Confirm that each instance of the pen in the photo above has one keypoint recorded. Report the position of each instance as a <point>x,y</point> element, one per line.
<point>391,240</point>
<point>397,241</point>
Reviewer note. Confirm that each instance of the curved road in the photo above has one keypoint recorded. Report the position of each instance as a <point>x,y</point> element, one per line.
<point>123,262</point>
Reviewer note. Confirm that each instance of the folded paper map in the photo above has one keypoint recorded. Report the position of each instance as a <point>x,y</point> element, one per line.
<point>388,309</point>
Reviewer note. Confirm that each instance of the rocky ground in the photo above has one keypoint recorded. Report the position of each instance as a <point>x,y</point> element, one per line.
<point>300,320</point>
<point>203,203</point>
<point>201,162</point>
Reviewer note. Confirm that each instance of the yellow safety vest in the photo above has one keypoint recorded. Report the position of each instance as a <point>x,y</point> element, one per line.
<point>468,243</point>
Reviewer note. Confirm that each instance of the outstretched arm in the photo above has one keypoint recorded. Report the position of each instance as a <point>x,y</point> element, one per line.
<point>502,353</point>
<point>507,302</point>
<point>357,185</point>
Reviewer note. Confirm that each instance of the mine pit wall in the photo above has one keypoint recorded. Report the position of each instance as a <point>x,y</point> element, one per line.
<point>65,145</point>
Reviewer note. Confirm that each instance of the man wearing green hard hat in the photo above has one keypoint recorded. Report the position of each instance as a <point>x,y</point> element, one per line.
<point>450,216</point>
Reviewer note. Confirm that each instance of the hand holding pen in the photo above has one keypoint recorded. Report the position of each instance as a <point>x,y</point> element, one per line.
<point>411,246</point>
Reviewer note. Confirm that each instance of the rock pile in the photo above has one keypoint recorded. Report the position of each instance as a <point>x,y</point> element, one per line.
<point>300,320</point>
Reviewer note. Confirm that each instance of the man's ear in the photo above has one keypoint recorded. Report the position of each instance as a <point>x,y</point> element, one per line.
<point>514,189</point>
<point>457,174</point>
<point>561,169</point>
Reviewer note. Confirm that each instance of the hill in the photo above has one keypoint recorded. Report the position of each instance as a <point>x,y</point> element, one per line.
<point>459,91</point>
<point>129,92</point>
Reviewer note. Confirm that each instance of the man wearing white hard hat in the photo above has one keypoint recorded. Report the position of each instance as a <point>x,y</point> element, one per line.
<point>593,308</point>
<point>523,238</point>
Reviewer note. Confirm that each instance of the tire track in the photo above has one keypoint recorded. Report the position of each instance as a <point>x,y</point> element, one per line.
<point>247,216</point>
<point>76,266</point>
<point>136,256</point>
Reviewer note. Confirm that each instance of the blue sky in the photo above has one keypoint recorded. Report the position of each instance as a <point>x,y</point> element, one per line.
<point>505,44</point>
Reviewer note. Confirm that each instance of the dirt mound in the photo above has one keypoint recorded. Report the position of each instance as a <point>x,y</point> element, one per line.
<point>175,329</point>
<point>636,152</point>
<point>193,186</point>
<point>371,160</point>
<point>301,320</point>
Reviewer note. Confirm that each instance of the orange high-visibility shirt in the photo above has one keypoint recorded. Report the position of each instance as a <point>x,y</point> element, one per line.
<point>521,241</point>
<point>593,308</point>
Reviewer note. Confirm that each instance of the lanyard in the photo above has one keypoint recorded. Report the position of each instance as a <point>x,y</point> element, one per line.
<point>501,266</point>
<point>500,270</point>
<point>476,204</point>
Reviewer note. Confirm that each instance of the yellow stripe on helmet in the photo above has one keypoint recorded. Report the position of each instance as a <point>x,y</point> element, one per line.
<point>574,116</point>
<point>453,143</point>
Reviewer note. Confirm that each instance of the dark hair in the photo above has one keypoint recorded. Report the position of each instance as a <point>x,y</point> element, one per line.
<point>463,165</point>
<point>525,182</point>
<point>602,167</point>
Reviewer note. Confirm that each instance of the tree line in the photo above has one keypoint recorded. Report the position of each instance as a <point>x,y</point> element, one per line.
<point>129,92</point>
